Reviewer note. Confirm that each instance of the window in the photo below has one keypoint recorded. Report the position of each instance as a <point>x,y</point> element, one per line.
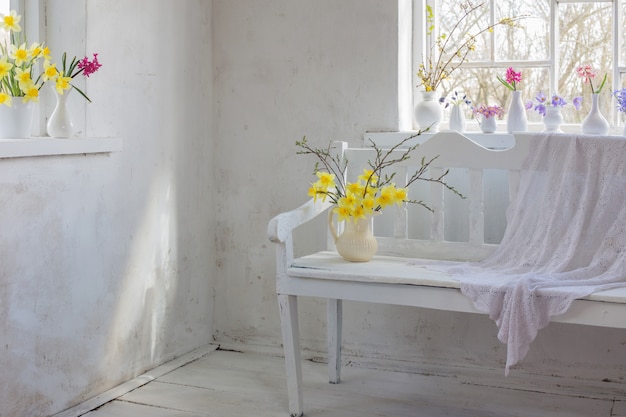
<point>555,37</point>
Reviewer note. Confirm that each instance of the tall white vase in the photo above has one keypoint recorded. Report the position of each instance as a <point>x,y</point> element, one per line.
<point>16,121</point>
<point>553,120</point>
<point>60,123</point>
<point>595,123</point>
<point>428,112</point>
<point>457,119</point>
<point>516,119</point>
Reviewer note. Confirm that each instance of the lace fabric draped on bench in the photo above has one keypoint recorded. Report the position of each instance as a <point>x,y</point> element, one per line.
<point>565,238</point>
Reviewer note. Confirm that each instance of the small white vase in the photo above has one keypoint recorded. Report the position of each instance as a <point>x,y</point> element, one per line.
<point>16,121</point>
<point>553,120</point>
<point>457,119</point>
<point>60,123</point>
<point>428,112</point>
<point>487,124</point>
<point>595,123</point>
<point>516,118</point>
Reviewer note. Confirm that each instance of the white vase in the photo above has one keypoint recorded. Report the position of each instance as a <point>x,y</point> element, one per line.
<point>428,112</point>
<point>357,243</point>
<point>16,121</point>
<point>553,120</point>
<point>60,123</point>
<point>624,133</point>
<point>457,118</point>
<point>487,124</point>
<point>595,123</point>
<point>516,118</point>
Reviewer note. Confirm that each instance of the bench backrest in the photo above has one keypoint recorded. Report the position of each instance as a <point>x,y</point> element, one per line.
<point>456,228</point>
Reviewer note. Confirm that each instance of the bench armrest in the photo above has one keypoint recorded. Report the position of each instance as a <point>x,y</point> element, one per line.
<point>281,226</point>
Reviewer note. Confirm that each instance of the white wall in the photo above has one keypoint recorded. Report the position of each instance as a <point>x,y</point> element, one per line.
<point>106,261</point>
<point>327,70</point>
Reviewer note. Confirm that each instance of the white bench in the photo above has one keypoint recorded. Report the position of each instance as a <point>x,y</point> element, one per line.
<point>389,278</point>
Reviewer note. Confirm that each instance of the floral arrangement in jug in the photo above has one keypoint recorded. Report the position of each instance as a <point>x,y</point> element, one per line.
<point>488,111</point>
<point>449,50</point>
<point>555,101</point>
<point>373,190</point>
<point>587,73</point>
<point>511,79</point>
<point>20,70</point>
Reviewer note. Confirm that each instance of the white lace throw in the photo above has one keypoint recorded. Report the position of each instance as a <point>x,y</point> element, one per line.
<point>565,238</point>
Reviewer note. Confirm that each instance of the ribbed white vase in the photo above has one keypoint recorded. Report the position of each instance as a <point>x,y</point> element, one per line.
<point>595,123</point>
<point>516,118</point>
<point>457,118</point>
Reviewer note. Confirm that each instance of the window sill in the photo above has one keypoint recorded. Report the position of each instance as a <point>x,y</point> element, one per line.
<point>18,148</point>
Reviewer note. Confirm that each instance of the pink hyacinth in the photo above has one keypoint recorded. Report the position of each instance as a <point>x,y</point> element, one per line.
<point>89,67</point>
<point>513,77</point>
<point>586,72</point>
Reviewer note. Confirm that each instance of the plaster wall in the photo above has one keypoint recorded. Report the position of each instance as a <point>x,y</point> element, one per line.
<point>328,70</point>
<point>106,261</point>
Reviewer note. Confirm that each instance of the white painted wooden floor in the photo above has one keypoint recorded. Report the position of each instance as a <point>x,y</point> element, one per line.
<point>227,383</point>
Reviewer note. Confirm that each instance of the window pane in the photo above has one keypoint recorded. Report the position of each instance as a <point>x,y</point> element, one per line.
<point>449,14</point>
<point>528,42</point>
<point>586,38</point>
<point>622,14</point>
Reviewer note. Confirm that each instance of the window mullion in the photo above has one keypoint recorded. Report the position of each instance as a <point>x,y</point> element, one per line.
<point>554,50</point>
<point>492,21</point>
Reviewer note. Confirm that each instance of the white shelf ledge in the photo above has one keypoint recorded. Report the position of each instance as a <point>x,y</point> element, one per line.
<point>489,140</point>
<point>19,148</point>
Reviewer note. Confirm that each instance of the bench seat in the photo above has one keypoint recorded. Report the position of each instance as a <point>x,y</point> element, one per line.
<point>380,280</point>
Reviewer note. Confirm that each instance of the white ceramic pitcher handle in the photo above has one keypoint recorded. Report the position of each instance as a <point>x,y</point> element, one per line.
<point>331,225</point>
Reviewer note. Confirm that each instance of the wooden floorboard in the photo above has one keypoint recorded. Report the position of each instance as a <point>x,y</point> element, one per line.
<point>225,384</point>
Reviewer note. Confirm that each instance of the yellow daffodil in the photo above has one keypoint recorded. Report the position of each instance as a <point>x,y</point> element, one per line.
<point>401,195</point>
<point>315,190</point>
<point>368,204</point>
<point>62,84</point>
<point>31,93</point>
<point>368,174</point>
<point>326,179</point>
<point>50,71</point>
<point>343,213</point>
<point>11,21</point>
<point>5,99</point>
<point>355,188</point>
<point>18,54</point>
<point>358,213</point>
<point>387,196</point>
<point>35,51</point>
<point>5,67</point>
<point>23,77</point>
<point>46,53</point>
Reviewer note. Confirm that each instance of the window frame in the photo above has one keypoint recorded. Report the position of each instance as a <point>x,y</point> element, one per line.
<point>33,14</point>
<point>420,46</point>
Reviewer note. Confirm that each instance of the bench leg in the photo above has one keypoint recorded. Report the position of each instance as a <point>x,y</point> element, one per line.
<point>335,319</point>
<point>291,342</point>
